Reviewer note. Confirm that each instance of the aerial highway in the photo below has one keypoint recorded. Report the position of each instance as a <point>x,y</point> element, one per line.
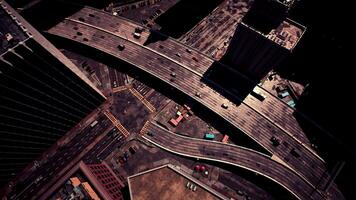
<point>271,108</point>
<point>105,33</point>
<point>233,155</point>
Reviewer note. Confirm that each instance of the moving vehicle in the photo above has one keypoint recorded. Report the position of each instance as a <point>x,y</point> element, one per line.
<point>209,136</point>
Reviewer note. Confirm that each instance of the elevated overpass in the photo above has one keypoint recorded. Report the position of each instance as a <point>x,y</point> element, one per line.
<point>233,155</point>
<point>162,58</point>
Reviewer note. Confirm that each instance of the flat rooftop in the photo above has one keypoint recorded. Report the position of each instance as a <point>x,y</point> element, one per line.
<point>287,34</point>
<point>288,3</point>
<point>11,30</point>
<point>166,182</point>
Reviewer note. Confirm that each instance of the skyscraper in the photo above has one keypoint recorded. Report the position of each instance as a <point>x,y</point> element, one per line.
<point>42,94</point>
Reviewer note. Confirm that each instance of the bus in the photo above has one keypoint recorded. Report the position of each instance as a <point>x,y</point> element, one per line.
<point>94,123</point>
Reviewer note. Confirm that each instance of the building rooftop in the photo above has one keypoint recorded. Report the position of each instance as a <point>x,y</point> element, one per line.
<point>288,3</point>
<point>85,181</point>
<point>90,191</point>
<point>11,30</point>
<point>168,182</point>
<point>287,34</point>
<point>76,187</point>
<point>75,181</point>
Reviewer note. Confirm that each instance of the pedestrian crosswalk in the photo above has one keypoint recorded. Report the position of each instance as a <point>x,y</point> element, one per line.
<point>117,123</point>
<point>119,89</point>
<point>144,128</point>
<point>149,106</point>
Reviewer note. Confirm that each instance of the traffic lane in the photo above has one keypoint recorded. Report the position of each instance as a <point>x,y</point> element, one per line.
<point>184,55</point>
<point>110,23</point>
<point>72,162</point>
<point>113,77</point>
<point>134,53</point>
<point>211,150</point>
<point>115,24</point>
<point>126,23</point>
<point>150,58</point>
<point>103,146</point>
<point>67,153</point>
<point>116,144</point>
<point>124,27</point>
<point>284,116</point>
<point>278,112</point>
<point>281,114</point>
<point>260,132</point>
<point>50,162</point>
<point>238,156</point>
<point>267,170</point>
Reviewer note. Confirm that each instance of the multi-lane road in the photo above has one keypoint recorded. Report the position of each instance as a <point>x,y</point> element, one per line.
<point>233,155</point>
<point>182,68</point>
<point>112,140</point>
<point>212,34</point>
<point>64,157</point>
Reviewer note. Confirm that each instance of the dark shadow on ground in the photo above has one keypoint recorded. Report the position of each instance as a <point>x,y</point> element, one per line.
<point>154,37</point>
<point>48,13</point>
<point>185,15</point>
<point>126,192</point>
<point>228,82</point>
<point>322,59</point>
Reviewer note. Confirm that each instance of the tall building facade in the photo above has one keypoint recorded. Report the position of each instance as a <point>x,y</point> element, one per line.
<point>42,94</point>
<point>106,178</point>
<point>88,181</point>
<point>263,39</point>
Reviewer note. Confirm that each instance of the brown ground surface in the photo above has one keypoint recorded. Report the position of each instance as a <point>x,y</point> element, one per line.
<point>165,183</point>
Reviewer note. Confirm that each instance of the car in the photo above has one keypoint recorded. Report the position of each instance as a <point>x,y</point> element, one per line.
<point>275,141</point>
<point>38,179</point>
<point>9,37</point>
<point>202,168</point>
<point>121,47</point>
<point>132,150</point>
<point>150,134</point>
<point>296,153</point>
<point>224,105</point>
<point>173,74</point>
<point>137,35</point>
